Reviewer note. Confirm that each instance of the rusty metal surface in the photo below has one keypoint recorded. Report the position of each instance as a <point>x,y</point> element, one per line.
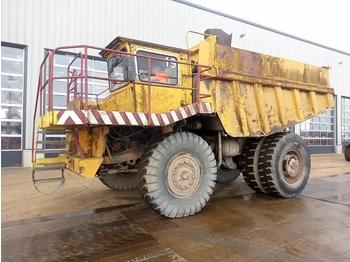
<point>221,37</point>
<point>234,60</point>
<point>256,94</point>
<point>238,225</point>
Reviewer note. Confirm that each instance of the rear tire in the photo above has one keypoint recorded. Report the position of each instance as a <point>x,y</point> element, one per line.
<point>347,153</point>
<point>250,162</point>
<point>226,175</point>
<point>177,176</point>
<point>119,181</point>
<point>284,165</point>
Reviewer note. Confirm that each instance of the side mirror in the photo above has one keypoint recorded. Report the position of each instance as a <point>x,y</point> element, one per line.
<point>131,68</point>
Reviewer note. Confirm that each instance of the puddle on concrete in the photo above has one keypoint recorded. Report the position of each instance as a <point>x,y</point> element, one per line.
<point>332,188</point>
<point>234,226</point>
<point>84,236</point>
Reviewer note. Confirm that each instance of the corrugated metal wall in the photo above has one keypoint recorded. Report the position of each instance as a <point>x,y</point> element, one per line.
<point>43,24</point>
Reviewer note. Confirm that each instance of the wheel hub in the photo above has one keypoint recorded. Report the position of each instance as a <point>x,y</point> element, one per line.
<point>292,166</point>
<point>183,175</point>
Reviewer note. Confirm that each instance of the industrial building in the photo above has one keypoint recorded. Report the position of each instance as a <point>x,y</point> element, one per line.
<point>31,27</point>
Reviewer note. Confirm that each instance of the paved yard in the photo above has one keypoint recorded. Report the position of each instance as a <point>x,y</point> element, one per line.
<point>87,221</point>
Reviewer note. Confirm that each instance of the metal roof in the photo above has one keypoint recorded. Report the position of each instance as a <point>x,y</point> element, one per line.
<point>259,26</point>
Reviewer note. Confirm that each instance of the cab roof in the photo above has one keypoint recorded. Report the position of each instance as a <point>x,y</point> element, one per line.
<point>119,40</point>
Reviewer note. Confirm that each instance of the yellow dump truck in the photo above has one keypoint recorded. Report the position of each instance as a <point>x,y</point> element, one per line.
<point>173,121</point>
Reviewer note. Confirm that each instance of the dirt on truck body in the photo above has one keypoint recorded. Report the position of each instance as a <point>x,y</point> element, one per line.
<point>173,121</point>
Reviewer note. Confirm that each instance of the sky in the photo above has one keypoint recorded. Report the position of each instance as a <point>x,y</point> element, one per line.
<point>324,22</point>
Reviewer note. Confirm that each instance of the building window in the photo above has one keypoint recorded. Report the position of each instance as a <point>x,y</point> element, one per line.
<point>345,119</point>
<point>319,130</point>
<point>12,97</point>
<point>165,72</point>
<point>96,68</point>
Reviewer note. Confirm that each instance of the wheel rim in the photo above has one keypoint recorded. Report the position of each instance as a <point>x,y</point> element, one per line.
<point>292,166</point>
<point>183,175</point>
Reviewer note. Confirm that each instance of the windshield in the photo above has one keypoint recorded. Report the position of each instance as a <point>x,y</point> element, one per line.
<point>117,69</point>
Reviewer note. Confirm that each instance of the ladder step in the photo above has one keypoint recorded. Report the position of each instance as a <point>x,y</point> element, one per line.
<point>51,150</point>
<point>52,142</point>
<point>50,160</point>
<point>50,167</point>
<point>51,131</point>
<point>48,180</point>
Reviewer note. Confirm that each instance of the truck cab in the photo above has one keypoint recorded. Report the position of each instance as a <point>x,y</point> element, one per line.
<point>145,65</point>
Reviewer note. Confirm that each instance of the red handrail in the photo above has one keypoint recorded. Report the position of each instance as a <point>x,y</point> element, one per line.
<point>72,78</point>
<point>84,72</point>
<point>38,95</point>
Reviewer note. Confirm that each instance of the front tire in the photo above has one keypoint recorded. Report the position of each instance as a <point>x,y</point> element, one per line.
<point>177,176</point>
<point>284,165</point>
<point>119,181</point>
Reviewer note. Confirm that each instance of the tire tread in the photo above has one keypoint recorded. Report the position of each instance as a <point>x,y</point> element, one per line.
<point>149,170</point>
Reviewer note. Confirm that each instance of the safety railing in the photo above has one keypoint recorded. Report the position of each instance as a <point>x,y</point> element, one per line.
<point>77,78</point>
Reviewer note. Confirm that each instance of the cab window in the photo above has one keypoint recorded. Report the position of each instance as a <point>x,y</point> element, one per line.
<point>165,72</point>
<point>117,69</point>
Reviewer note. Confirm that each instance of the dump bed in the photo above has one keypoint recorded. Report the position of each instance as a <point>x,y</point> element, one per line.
<point>256,94</point>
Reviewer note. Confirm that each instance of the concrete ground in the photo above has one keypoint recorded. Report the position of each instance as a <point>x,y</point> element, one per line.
<point>87,221</point>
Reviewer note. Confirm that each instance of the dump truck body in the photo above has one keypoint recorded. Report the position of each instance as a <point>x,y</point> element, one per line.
<point>255,94</point>
<point>191,114</point>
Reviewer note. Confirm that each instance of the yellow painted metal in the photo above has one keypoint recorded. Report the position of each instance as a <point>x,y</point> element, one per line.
<point>85,167</point>
<point>98,141</point>
<point>48,120</point>
<point>61,159</point>
<point>86,147</point>
<point>255,94</point>
<point>122,100</point>
<point>81,137</point>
